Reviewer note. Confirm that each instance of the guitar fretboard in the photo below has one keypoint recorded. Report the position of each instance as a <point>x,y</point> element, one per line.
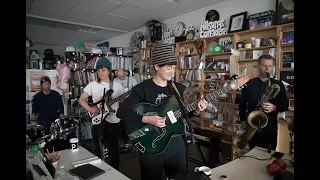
<point>208,97</point>
<point>119,98</point>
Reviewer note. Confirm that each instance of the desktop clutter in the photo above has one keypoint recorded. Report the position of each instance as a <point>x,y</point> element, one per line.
<point>83,169</point>
<point>277,169</point>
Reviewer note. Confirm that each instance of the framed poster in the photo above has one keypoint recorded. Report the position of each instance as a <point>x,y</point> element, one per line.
<point>237,22</point>
<point>35,77</point>
<point>284,11</point>
<point>261,20</point>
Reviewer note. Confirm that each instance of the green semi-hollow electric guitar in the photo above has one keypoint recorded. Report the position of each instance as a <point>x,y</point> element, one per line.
<point>152,140</point>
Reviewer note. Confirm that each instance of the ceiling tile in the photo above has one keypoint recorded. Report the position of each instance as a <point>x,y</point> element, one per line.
<point>120,1</point>
<point>192,4</point>
<point>47,14</point>
<point>147,4</point>
<point>84,13</point>
<point>76,19</point>
<point>99,5</point>
<point>67,2</point>
<point>128,11</point>
<point>105,34</point>
<point>150,16</point>
<point>50,5</point>
<point>28,5</point>
<point>117,22</point>
<point>171,10</point>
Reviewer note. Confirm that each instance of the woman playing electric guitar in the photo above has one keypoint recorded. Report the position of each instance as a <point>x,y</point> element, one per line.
<point>111,128</point>
<point>154,91</point>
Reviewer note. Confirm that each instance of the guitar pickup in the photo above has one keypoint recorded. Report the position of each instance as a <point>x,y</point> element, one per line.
<point>140,147</point>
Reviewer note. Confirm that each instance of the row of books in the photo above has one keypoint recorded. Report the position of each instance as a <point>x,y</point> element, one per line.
<point>126,63</point>
<point>82,77</point>
<point>187,62</point>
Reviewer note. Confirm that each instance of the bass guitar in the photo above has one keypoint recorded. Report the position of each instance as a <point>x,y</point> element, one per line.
<point>96,118</point>
<point>152,140</point>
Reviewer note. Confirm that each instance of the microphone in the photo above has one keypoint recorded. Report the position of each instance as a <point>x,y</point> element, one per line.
<point>268,75</point>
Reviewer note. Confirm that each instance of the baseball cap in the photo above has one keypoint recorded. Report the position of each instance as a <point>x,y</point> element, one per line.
<point>103,63</point>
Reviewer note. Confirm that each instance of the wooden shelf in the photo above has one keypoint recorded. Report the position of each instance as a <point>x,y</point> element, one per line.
<point>286,69</point>
<point>256,48</point>
<point>193,54</point>
<point>217,71</point>
<point>286,45</point>
<point>273,31</point>
<point>290,95</point>
<point>186,42</point>
<point>271,28</point>
<point>218,54</point>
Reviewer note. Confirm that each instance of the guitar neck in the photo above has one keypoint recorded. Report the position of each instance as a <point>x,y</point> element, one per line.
<point>119,97</point>
<point>208,97</point>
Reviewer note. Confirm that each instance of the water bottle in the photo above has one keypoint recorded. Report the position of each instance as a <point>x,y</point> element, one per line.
<point>61,174</point>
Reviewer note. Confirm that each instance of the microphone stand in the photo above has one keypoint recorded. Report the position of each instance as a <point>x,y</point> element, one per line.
<point>187,123</point>
<point>103,101</point>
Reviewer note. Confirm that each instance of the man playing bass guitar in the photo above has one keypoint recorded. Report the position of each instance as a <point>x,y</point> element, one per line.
<point>154,91</point>
<point>112,129</point>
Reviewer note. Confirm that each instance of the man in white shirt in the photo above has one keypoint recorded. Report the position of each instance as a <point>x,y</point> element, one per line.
<point>112,127</point>
<point>127,82</point>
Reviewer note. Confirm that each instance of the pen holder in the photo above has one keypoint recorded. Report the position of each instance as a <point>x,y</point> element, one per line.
<point>55,164</point>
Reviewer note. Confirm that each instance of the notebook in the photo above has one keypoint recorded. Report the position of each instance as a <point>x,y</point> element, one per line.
<point>86,172</point>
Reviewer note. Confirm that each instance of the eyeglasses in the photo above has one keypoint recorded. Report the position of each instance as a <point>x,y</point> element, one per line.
<point>170,67</point>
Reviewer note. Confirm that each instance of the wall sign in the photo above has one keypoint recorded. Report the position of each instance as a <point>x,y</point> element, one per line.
<point>287,76</point>
<point>167,36</point>
<point>211,29</point>
<point>119,51</point>
<point>35,77</point>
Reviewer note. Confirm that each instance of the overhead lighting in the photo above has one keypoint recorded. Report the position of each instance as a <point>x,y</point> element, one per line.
<point>74,23</point>
<point>87,31</point>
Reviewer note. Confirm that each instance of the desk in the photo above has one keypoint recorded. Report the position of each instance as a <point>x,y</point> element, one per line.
<point>248,168</point>
<point>31,158</point>
<point>67,157</point>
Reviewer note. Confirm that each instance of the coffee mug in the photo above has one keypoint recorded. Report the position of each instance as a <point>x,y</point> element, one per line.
<point>74,144</point>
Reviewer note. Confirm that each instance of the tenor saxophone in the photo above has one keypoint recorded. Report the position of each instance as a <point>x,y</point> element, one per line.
<point>258,119</point>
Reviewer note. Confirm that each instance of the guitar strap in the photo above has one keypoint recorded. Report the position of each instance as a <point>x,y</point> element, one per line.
<point>111,84</point>
<point>128,83</point>
<point>187,124</point>
<point>175,88</point>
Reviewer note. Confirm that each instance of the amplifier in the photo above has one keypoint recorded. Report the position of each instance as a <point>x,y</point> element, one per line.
<point>206,149</point>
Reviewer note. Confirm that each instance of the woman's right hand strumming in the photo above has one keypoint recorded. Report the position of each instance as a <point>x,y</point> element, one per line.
<point>94,110</point>
<point>155,120</point>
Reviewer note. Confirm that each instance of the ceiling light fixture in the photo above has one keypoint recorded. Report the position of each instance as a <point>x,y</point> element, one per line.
<point>74,23</point>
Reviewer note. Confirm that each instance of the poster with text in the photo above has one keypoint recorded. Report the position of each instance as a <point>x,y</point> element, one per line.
<point>35,77</point>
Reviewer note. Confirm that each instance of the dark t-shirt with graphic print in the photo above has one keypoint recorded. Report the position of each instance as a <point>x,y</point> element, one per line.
<point>148,92</point>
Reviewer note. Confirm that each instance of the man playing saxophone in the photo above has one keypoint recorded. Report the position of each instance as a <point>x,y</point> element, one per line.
<point>250,99</point>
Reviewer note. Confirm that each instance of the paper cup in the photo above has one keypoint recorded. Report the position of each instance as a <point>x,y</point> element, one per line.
<point>55,164</point>
<point>74,144</point>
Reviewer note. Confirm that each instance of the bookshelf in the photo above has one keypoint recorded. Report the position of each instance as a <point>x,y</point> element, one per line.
<point>199,82</point>
<point>146,70</point>
<point>285,54</point>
